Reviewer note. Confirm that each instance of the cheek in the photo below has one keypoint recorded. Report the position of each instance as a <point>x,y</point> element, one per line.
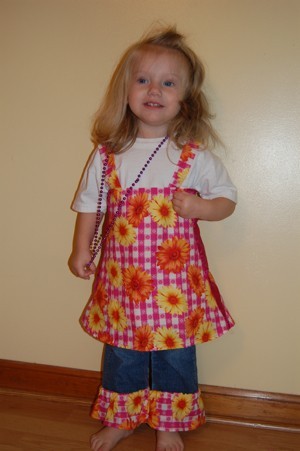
<point>131,97</point>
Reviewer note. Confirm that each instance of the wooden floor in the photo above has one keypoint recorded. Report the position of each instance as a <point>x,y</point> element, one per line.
<point>29,423</point>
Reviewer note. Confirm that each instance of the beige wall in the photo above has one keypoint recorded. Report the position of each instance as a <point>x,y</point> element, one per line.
<point>56,58</point>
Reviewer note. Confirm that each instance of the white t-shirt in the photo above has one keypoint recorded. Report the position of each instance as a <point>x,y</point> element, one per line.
<point>207,174</point>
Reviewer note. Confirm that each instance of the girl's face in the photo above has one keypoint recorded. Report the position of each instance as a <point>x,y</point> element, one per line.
<point>157,86</point>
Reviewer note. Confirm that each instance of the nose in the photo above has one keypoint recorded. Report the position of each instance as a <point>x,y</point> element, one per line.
<point>154,89</point>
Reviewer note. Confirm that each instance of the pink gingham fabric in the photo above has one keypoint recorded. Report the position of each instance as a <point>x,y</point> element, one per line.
<point>153,289</point>
<point>162,411</point>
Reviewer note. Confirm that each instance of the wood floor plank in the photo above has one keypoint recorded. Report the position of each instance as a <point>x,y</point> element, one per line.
<point>32,424</point>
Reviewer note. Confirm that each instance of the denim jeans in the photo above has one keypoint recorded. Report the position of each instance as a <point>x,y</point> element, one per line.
<point>127,371</point>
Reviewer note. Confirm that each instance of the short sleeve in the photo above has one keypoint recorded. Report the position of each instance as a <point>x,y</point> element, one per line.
<point>210,178</point>
<point>86,198</point>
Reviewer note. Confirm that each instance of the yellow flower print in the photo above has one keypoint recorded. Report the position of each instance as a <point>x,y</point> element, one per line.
<point>117,316</point>
<point>196,280</point>
<point>124,232</point>
<point>113,180</point>
<point>206,332</point>
<point>209,296</point>
<point>172,300</point>
<point>143,338</point>
<point>154,395</point>
<point>134,402</point>
<point>173,254</point>
<point>114,273</point>
<point>182,405</point>
<point>115,195</point>
<point>165,338</point>
<point>112,408</point>
<point>96,319</point>
<point>182,175</point>
<point>138,284</point>
<point>115,186</point>
<point>137,209</point>
<point>162,212</point>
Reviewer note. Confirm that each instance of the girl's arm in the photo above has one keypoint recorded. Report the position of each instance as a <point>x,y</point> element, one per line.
<point>191,206</point>
<point>81,254</point>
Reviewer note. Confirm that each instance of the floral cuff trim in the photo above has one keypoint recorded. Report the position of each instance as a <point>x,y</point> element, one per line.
<point>161,410</point>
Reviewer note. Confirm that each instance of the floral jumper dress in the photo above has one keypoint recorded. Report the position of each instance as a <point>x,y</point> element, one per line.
<point>153,291</point>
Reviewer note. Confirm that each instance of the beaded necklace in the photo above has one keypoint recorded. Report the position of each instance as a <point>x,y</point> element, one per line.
<point>98,241</point>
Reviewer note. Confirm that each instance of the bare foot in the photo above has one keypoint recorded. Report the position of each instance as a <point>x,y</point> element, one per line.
<point>168,441</point>
<point>107,438</point>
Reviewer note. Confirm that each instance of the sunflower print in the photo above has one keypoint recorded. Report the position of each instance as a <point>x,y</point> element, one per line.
<point>182,175</point>
<point>186,152</point>
<point>138,284</point>
<point>117,315</point>
<point>114,273</point>
<point>115,187</point>
<point>167,338</point>
<point>124,232</point>
<point>112,408</point>
<point>206,332</point>
<point>196,280</point>
<point>209,296</point>
<point>137,209</point>
<point>173,254</point>
<point>162,212</point>
<point>194,321</point>
<point>143,338</point>
<point>96,319</point>
<point>153,289</point>
<point>182,405</point>
<point>100,296</point>
<point>154,414</point>
<point>172,300</point>
<point>134,402</point>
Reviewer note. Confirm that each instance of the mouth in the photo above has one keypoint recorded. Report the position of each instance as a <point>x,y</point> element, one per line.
<point>153,105</point>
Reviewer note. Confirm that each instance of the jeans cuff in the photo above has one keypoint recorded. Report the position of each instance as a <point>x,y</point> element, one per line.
<point>161,410</point>
<point>122,411</point>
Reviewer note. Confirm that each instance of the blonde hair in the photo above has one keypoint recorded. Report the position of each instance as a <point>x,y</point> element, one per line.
<point>115,126</point>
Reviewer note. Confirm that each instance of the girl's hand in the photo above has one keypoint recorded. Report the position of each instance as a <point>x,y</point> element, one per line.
<point>186,204</point>
<point>81,255</point>
<point>190,206</point>
<point>78,264</point>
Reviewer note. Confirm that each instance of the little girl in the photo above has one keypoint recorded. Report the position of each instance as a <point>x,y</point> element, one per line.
<point>153,297</point>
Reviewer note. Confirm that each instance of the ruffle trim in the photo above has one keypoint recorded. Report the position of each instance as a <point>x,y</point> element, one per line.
<point>161,410</point>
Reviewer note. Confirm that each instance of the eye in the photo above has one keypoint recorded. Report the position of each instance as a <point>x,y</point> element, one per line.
<point>142,81</point>
<point>169,83</point>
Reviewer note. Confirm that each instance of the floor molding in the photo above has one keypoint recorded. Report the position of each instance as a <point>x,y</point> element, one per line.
<point>246,408</point>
